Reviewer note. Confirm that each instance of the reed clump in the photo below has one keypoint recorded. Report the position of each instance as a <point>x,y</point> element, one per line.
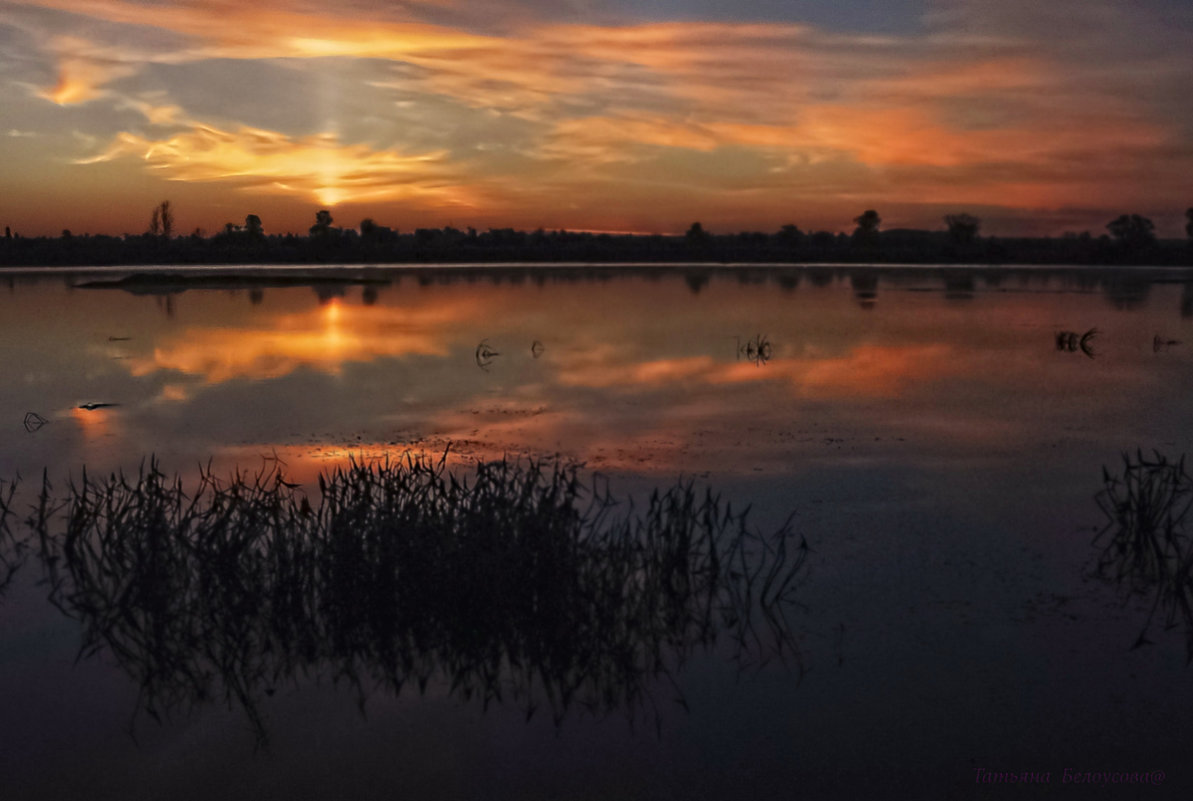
<point>520,582</point>
<point>1146,549</point>
<point>12,544</point>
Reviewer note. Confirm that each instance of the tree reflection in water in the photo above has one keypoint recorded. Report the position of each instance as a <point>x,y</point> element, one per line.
<point>519,582</point>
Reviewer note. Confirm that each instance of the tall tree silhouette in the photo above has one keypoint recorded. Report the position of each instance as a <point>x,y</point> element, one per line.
<point>162,222</point>
<point>963,228</point>
<point>696,234</point>
<point>1189,222</point>
<point>867,225</point>
<point>790,234</point>
<point>322,226</point>
<point>253,227</point>
<point>1132,230</point>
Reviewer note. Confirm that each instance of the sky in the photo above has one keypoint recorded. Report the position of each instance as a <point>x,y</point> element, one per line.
<point>1039,118</point>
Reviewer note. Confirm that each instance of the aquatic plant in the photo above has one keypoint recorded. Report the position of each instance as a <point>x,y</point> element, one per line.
<point>485,355</point>
<point>1160,343</point>
<point>1145,547</point>
<point>756,350</point>
<point>34,421</point>
<point>12,547</point>
<point>519,582</point>
<point>1071,341</point>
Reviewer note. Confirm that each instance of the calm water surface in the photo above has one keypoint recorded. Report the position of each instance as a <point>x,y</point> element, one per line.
<point>938,435</point>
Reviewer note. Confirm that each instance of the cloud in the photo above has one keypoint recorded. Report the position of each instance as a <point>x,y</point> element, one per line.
<point>319,166</point>
<point>984,104</point>
<point>81,78</point>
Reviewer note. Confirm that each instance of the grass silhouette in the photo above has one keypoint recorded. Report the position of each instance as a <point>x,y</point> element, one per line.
<point>1145,547</point>
<point>521,582</point>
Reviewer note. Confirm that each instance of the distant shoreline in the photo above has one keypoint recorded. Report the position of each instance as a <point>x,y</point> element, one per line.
<point>451,247</point>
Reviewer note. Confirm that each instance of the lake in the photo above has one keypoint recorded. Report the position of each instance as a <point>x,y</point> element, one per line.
<point>928,444</point>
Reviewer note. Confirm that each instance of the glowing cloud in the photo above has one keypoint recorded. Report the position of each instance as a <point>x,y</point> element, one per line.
<point>82,79</point>
<point>319,167</point>
<point>976,110</point>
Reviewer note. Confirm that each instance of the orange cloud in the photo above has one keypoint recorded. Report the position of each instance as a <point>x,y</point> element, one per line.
<point>940,118</point>
<point>319,167</point>
<point>81,78</point>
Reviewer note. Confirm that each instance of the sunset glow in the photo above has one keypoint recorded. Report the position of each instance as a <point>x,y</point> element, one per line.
<point>610,119</point>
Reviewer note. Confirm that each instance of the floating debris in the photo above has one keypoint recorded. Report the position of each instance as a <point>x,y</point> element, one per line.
<point>91,407</point>
<point>536,349</point>
<point>34,421</point>
<point>1071,342</point>
<point>756,350</point>
<point>119,339</point>
<point>485,354</point>
<point>1160,343</point>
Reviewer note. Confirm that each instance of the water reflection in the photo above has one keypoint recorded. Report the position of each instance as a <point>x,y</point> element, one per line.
<point>417,364</point>
<point>524,583</point>
<point>865,288</point>
<point>938,452</point>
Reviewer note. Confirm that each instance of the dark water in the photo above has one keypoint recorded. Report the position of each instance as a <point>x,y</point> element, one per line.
<point>938,434</point>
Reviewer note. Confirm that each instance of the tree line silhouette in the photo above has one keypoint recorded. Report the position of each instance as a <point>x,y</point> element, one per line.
<point>1130,240</point>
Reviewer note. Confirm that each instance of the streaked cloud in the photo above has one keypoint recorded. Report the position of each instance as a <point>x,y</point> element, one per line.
<point>320,167</point>
<point>976,104</point>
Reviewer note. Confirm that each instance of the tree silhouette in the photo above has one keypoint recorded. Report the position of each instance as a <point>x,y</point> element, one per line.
<point>167,219</point>
<point>1132,230</point>
<point>867,225</point>
<point>790,234</point>
<point>252,226</point>
<point>1189,222</point>
<point>322,226</point>
<point>963,228</point>
<point>696,234</point>
<point>162,222</point>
